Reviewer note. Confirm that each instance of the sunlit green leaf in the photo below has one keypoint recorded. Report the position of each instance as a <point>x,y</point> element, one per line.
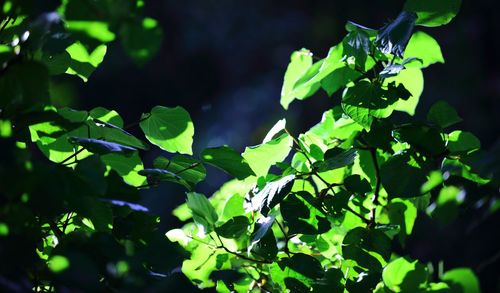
<point>433,13</point>
<point>83,62</point>
<point>169,128</point>
<point>262,157</point>
<point>404,275</point>
<point>462,142</point>
<point>300,61</point>
<point>462,280</point>
<point>425,48</point>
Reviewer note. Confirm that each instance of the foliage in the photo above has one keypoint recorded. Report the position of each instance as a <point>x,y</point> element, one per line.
<point>318,211</point>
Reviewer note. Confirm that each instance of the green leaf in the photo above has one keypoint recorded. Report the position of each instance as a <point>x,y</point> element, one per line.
<point>300,62</point>
<point>298,273</point>
<point>189,169</point>
<point>331,282</point>
<point>113,132</point>
<point>203,212</point>
<point>272,194</point>
<point>228,160</point>
<point>266,246</point>
<point>413,80</point>
<point>157,175</point>
<point>422,137</point>
<point>233,206</point>
<point>83,62</point>
<point>462,142</point>
<point>404,275</point>
<point>447,204</point>
<point>126,166</point>
<point>462,280</point>
<point>101,147</point>
<point>325,127</point>
<point>403,213</point>
<point>433,13</point>
<point>400,178</point>
<point>336,158</point>
<point>357,44</point>
<point>305,265</point>
<point>366,100</point>
<point>141,39</point>
<point>369,248</point>
<point>109,116</point>
<point>97,30</point>
<point>301,217</point>
<point>311,81</point>
<point>443,114</point>
<point>425,48</point>
<point>234,227</point>
<point>339,78</point>
<point>171,129</point>
<point>262,157</point>
<point>356,184</point>
<point>262,226</point>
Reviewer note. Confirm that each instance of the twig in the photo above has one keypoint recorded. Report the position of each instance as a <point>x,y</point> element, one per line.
<point>192,166</point>
<point>241,255</point>
<point>287,251</point>
<point>128,126</point>
<point>71,157</point>
<point>357,214</point>
<point>59,234</point>
<point>373,153</point>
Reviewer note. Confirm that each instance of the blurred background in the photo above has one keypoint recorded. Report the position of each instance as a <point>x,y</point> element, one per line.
<point>224,62</point>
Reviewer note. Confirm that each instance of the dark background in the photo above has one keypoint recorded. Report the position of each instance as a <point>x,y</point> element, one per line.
<point>224,62</point>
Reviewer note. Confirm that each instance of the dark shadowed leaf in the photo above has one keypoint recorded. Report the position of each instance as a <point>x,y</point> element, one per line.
<point>443,114</point>
<point>336,158</point>
<point>234,227</point>
<point>400,178</point>
<point>425,139</point>
<point>141,39</point>
<point>303,218</point>
<point>394,36</point>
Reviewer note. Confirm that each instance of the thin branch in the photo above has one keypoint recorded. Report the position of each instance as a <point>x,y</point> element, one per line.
<point>241,255</point>
<point>357,214</point>
<point>71,157</point>
<point>59,234</point>
<point>192,166</point>
<point>373,153</point>
<point>66,223</point>
<point>154,184</point>
<point>287,239</point>
<point>128,126</point>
